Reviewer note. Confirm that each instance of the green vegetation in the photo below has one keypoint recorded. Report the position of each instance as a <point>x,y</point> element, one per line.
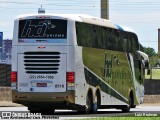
<point>154,58</point>
<point>149,51</point>
<point>154,61</point>
<point>124,118</point>
<point>155,74</point>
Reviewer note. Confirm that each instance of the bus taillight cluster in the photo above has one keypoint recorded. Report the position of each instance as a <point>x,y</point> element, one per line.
<point>13,76</point>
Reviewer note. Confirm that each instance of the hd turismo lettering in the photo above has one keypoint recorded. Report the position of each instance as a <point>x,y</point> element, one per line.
<point>112,70</point>
<point>39,30</point>
<point>108,67</point>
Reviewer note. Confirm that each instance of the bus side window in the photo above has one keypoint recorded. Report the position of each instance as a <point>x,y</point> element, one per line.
<point>112,47</point>
<point>99,37</point>
<point>129,44</point>
<point>116,40</point>
<point>107,33</point>
<point>88,35</point>
<point>120,48</point>
<point>109,36</point>
<point>124,44</point>
<point>135,45</point>
<point>103,37</point>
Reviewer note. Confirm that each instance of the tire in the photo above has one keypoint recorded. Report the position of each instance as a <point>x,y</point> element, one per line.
<point>127,107</point>
<point>96,103</point>
<point>132,105</point>
<point>88,108</point>
<point>89,104</point>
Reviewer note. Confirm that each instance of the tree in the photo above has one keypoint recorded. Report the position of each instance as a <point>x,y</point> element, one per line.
<point>154,58</point>
<point>149,51</point>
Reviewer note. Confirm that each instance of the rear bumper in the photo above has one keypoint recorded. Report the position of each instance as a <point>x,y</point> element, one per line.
<point>27,98</point>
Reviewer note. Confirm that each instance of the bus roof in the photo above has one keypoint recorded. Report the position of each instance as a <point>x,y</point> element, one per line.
<point>81,18</point>
<point>124,28</point>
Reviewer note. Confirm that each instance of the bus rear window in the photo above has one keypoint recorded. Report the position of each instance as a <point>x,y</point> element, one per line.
<point>42,29</point>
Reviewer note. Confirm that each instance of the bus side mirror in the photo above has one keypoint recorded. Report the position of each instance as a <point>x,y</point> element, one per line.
<point>148,71</point>
<point>146,64</point>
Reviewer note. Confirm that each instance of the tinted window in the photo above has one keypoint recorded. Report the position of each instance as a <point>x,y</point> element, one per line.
<point>89,35</point>
<point>135,44</point>
<point>42,28</point>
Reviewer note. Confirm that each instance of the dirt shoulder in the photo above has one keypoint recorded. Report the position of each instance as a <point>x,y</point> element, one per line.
<point>150,104</point>
<point>9,104</point>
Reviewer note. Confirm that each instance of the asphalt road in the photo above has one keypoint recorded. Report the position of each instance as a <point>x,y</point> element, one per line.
<point>142,110</point>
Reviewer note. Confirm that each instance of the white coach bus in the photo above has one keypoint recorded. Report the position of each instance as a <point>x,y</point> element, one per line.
<point>75,62</point>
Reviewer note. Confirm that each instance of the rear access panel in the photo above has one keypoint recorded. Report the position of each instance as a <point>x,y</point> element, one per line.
<point>42,72</point>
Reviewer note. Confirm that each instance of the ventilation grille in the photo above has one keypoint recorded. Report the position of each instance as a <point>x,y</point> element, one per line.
<point>41,62</point>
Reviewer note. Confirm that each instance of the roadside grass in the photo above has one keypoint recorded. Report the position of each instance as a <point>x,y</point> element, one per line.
<point>155,74</point>
<point>124,118</point>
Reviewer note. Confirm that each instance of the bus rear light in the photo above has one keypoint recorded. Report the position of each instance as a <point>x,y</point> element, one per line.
<point>70,77</point>
<point>13,76</point>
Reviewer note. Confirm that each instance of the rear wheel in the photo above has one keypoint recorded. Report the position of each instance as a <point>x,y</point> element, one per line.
<point>88,108</point>
<point>132,100</point>
<point>96,102</point>
<point>89,104</point>
<point>127,107</point>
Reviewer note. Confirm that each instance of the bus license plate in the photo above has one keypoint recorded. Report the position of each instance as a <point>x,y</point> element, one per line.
<point>41,84</point>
